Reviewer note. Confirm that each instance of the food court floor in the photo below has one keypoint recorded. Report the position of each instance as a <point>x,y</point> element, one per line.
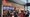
<point>29,15</point>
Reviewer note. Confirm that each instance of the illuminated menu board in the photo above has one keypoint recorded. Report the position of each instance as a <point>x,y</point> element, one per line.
<point>8,8</point>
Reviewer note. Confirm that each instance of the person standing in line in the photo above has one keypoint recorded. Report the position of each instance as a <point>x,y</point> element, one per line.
<point>22,14</point>
<point>15,14</point>
<point>8,14</point>
<point>27,13</point>
<point>12,14</point>
<point>4,13</point>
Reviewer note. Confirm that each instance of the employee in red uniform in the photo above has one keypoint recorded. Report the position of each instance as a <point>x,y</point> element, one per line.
<point>21,14</point>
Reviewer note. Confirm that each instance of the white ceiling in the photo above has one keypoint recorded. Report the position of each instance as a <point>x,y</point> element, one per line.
<point>21,1</point>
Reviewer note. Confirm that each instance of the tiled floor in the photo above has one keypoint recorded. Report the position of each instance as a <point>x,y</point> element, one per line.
<point>29,15</point>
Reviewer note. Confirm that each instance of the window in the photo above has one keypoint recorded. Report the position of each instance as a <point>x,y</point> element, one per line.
<point>29,8</point>
<point>28,1</point>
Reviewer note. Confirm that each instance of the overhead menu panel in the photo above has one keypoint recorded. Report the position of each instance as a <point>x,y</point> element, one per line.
<point>8,8</point>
